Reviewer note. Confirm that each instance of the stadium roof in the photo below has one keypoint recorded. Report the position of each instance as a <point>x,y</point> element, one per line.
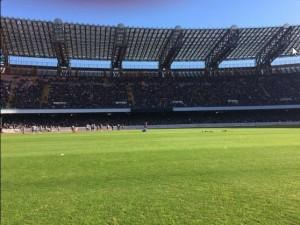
<point>92,42</point>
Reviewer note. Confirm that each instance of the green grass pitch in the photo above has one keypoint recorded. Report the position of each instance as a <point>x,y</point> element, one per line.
<point>188,176</point>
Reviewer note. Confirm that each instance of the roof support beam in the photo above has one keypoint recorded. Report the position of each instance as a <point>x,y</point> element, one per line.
<point>4,62</point>
<point>171,49</point>
<point>274,48</point>
<point>119,49</point>
<point>61,48</point>
<point>222,49</point>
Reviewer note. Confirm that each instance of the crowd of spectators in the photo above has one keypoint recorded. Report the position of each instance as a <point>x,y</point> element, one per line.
<point>144,92</point>
<point>5,93</point>
<point>55,121</point>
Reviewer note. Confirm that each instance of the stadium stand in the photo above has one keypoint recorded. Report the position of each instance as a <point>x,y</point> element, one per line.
<point>151,92</point>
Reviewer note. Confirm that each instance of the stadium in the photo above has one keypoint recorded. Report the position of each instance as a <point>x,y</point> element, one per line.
<point>221,109</point>
<point>183,96</point>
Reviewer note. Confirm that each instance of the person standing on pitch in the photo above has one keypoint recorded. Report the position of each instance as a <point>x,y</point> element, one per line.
<point>145,126</point>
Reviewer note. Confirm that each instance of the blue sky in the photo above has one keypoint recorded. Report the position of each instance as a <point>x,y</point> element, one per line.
<point>160,13</point>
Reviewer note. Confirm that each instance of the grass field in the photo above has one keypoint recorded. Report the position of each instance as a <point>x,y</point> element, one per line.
<point>242,176</point>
